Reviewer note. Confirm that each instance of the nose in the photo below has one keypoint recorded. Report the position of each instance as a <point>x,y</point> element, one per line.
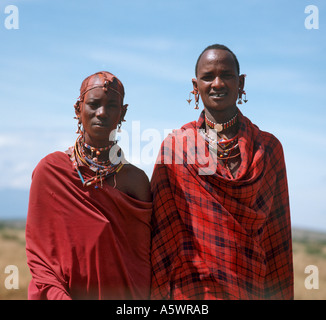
<point>101,112</point>
<point>217,83</point>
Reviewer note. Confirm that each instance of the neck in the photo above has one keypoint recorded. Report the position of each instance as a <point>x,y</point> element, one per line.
<point>97,142</point>
<point>99,153</point>
<point>223,116</point>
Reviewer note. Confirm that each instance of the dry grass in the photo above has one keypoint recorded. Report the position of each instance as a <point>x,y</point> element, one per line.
<point>309,248</point>
<point>12,252</point>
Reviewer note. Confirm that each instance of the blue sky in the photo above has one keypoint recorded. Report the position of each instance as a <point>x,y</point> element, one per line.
<point>152,46</point>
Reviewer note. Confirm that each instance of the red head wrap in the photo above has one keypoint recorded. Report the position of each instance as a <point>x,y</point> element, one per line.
<point>109,82</point>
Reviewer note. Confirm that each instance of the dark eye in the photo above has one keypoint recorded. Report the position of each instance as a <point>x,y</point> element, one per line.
<point>93,105</point>
<point>207,78</point>
<point>112,105</point>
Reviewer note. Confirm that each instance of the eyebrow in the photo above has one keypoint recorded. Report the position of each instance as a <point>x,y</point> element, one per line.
<point>96,100</point>
<point>207,73</point>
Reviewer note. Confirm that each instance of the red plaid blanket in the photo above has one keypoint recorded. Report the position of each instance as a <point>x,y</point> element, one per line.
<point>215,237</point>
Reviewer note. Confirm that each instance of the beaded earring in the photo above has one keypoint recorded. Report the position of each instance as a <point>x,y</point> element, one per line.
<point>124,108</point>
<point>79,126</point>
<point>196,94</point>
<point>241,92</point>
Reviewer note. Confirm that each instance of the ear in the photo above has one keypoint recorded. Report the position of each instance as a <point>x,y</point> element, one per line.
<point>195,84</point>
<point>78,110</point>
<point>123,112</point>
<point>241,82</point>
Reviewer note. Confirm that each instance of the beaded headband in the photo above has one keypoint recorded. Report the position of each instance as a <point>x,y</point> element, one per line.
<point>109,82</point>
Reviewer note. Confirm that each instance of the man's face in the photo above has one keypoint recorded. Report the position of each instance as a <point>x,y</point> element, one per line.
<point>217,80</point>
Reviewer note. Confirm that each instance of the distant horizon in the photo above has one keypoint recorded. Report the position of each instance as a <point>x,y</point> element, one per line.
<point>20,223</point>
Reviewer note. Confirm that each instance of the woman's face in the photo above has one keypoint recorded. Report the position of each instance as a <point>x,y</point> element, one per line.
<point>217,80</point>
<point>100,113</point>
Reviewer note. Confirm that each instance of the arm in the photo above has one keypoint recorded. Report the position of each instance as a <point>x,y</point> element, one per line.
<point>164,227</point>
<point>46,292</point>
<point>42,230</point>
<point>134,182</point>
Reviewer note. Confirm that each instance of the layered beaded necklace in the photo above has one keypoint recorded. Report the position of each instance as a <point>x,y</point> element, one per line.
<point>102,170</point>
<point>224,148</point>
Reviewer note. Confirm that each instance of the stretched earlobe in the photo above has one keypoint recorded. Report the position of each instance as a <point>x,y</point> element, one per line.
<point>195,93</point>
<point>241,91</point>
<point>123,112</point>
<point>122,118</point>
<point>242,81</point>
<point>194,83</point>
<point>79,125</point>
<point>77,107</point>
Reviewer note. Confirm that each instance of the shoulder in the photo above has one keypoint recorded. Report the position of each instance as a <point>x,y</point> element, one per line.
<point>135,182</point>
<point>135,172</point>
<point>271,143</point>
<point>269,140</point>
<point>273,150</point>
<point>189,125</point>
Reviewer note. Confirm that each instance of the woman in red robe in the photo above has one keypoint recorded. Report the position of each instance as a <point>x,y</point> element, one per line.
<point>88,224</point>
<point>221,219</point>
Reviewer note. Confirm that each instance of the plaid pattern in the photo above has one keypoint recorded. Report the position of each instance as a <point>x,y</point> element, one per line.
<point>219,238</point>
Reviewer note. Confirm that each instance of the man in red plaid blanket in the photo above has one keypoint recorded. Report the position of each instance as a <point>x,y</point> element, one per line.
<point>221,223</point>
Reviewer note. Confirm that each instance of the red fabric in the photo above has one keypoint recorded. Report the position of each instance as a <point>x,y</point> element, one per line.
<point>85,243</point>
<point>220,238</point>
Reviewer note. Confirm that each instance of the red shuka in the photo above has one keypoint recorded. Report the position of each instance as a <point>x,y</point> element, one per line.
<point>217,237</point>
<point>82,242</point>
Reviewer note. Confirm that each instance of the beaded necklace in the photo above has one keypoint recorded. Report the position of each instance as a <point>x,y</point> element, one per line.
<point>96,150</point>
<point>221,126</point>
<point>227,145</point>
<point>102,170</point>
